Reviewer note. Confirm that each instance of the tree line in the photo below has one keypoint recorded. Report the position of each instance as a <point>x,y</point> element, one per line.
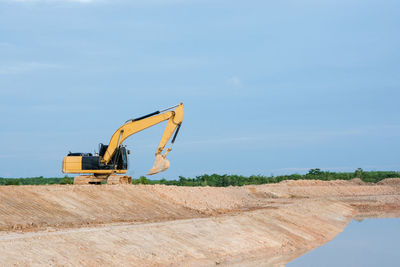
<point>37,180</point>
<point>219,180</point>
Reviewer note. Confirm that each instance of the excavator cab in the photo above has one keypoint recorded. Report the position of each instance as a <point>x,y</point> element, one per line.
<point>88,163</point>
<point>119,159</point>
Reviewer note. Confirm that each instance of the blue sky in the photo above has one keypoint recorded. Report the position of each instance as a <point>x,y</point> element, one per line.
<point>269,87</point>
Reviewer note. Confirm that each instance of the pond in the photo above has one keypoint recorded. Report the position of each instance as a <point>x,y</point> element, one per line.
<point>370,242</point>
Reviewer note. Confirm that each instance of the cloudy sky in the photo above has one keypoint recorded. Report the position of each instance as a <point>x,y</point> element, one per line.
<point>269,87</point>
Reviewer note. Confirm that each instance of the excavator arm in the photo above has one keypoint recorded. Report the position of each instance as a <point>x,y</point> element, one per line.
<point>133,126</point>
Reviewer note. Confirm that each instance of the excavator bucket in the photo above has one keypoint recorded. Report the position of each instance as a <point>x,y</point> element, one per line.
<point>160,164</point>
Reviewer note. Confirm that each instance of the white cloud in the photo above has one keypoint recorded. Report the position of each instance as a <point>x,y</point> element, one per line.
<point>22,67</point>
<point>234,81</point>
<point>3,44</point>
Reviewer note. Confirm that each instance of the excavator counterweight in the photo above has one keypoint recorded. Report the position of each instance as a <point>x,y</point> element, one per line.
<point>112,158</point>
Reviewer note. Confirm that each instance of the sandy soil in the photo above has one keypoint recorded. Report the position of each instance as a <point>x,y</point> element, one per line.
<point>127,225</point>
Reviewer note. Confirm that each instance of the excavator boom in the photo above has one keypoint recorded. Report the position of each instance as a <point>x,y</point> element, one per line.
<point>133,126</point>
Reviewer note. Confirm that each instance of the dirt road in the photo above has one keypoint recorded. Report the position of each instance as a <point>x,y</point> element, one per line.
<point>127,225</point>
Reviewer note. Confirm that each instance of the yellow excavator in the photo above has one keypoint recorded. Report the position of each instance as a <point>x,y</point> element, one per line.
<point>112,158</point>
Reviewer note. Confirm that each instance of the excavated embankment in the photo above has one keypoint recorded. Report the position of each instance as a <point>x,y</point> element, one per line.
<point>127,225</point>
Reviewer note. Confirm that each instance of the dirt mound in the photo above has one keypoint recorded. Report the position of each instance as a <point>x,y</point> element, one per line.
<point>338,188</point>
<point>314,183</point>
<point>357,181</point>
<point>257,235</point>
<point>39,207</point>
<point>117,225</point>
<point>207,199</point>
<point>390,181</point>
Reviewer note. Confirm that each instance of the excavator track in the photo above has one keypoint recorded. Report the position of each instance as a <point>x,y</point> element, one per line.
<point>111,180</point>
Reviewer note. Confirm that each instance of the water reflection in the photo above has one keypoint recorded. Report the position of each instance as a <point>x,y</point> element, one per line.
<point>370,242</point>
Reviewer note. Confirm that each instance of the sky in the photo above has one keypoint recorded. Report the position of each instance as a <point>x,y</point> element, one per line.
<point>269,87</point>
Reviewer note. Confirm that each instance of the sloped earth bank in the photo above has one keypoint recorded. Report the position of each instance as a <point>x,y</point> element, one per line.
<point>128,225</point>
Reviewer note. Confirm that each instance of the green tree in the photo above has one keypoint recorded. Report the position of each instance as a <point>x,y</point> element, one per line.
<point>13,182</point>
<point>315,172</point>
<point>141,180</point>
<point>358,173</point>
<point>67,180</point>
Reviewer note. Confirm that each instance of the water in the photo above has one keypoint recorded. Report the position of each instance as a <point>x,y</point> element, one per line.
<point>371,242</point>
